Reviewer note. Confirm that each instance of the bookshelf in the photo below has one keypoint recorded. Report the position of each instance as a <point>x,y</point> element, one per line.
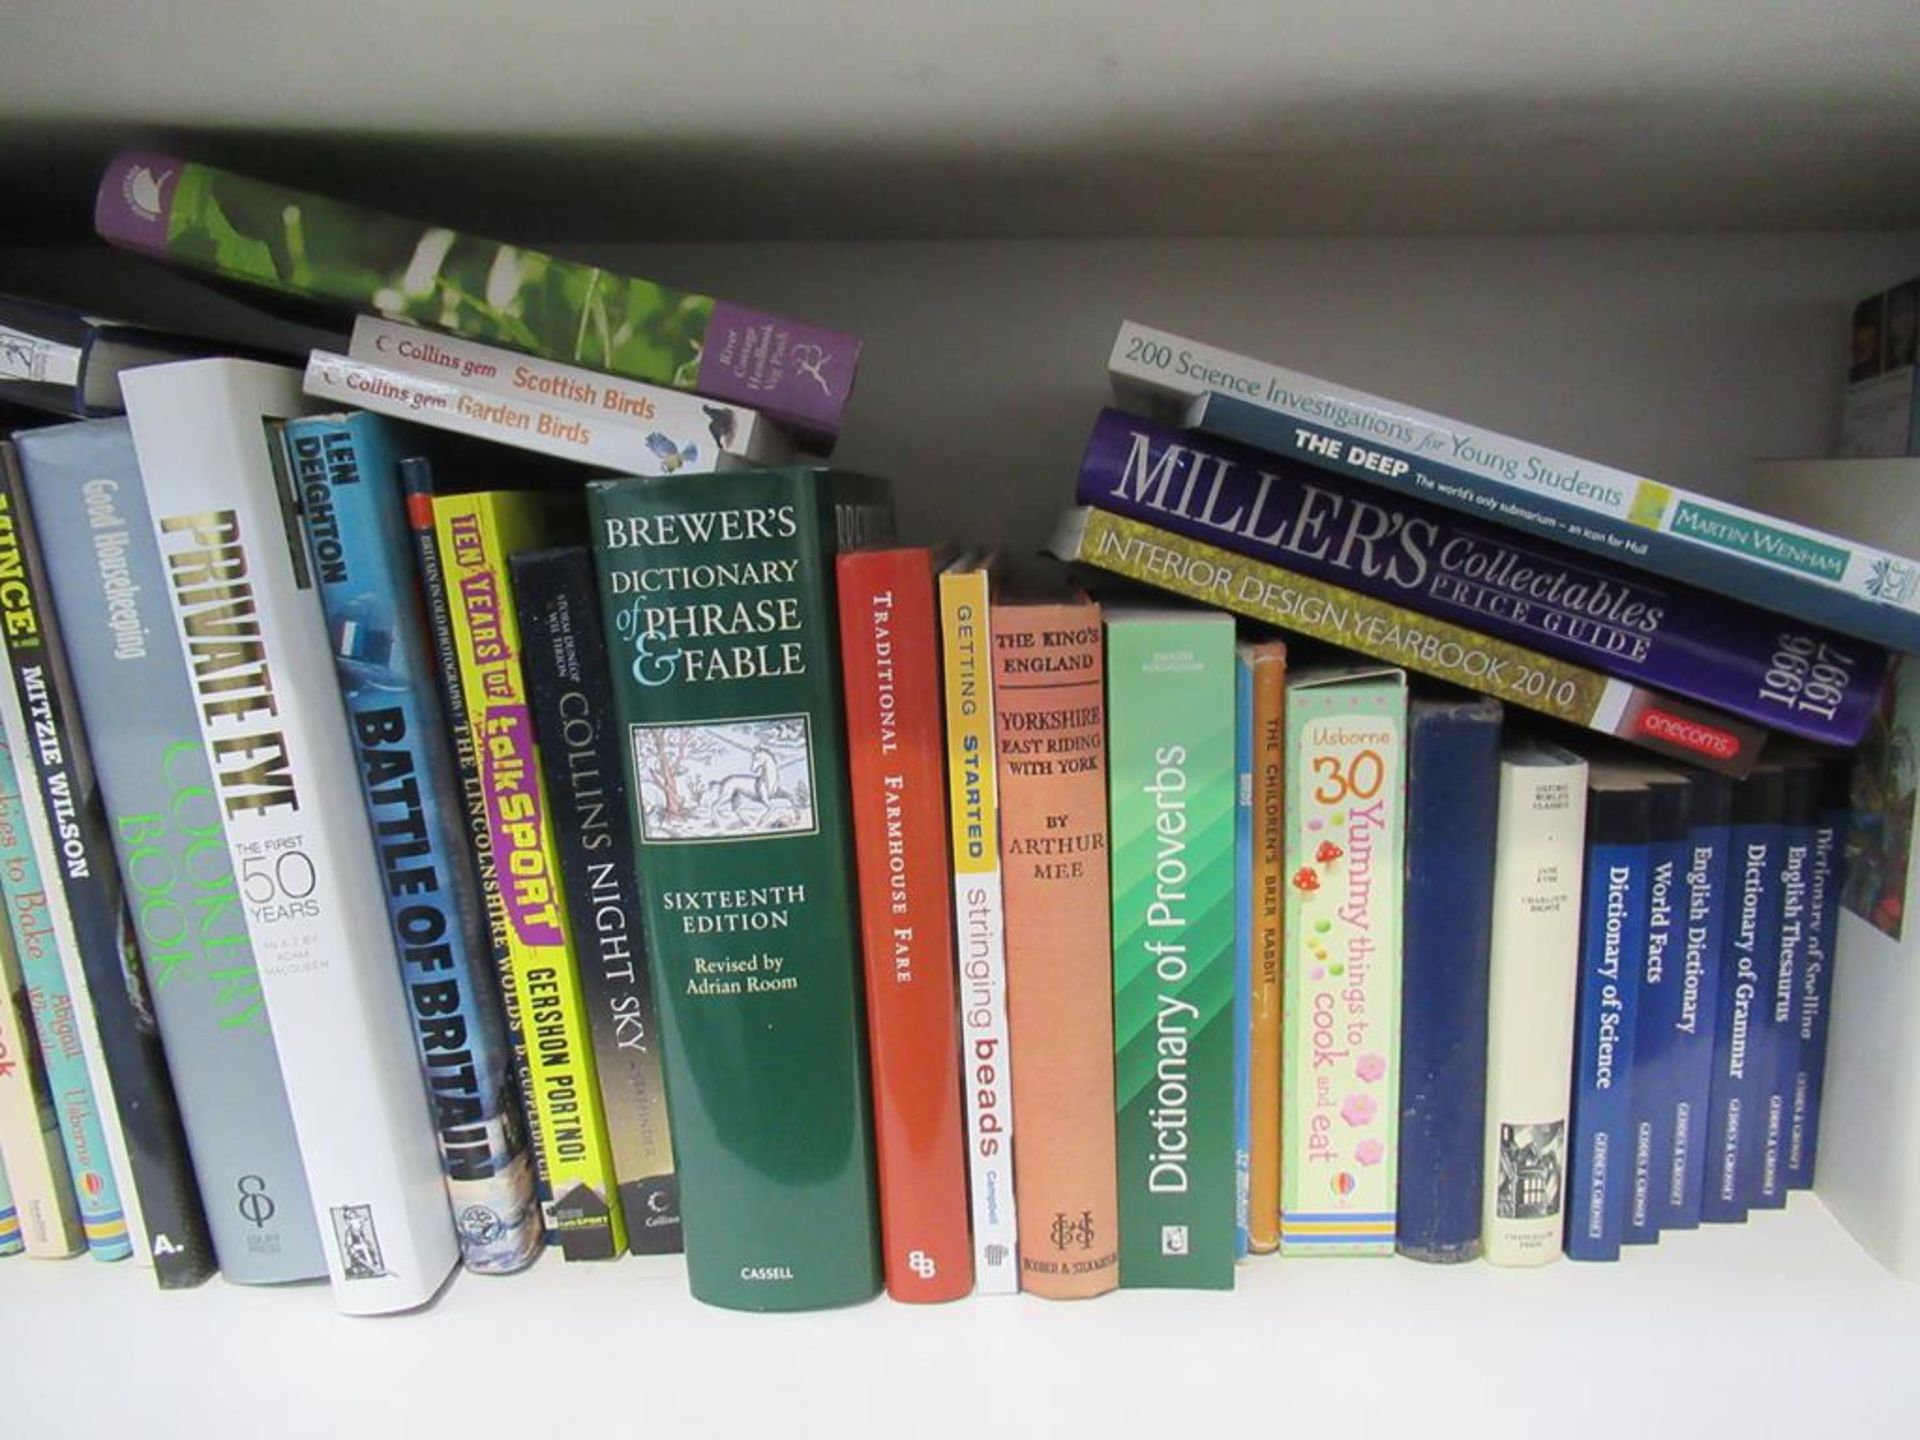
<point>1630,235</point>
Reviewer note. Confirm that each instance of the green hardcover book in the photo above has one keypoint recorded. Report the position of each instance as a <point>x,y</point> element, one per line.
<point>722,639</point>
<point>1170,747</point>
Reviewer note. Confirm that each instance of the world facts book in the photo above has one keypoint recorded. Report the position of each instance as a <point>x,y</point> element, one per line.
<point>1533,982</point>
<point>146,1148</point>
<point>1613,942</point>
<point>1765,560</point>
<point>1172,776</point>
<point>136,699</point>
<point>245,612</point>
<point>314,248</point>
<point>564,662</point>
<point>70,1199</point>
<point>1453,790</point>
<point>1461,655</point>
<point>1346,829</point>
<point>896,766</point>
<point>973,811</point>
<point>1050,725</point>
<point>718,602</point>
<point>37,1212</point>
<point>1319,522</point>
<point>1667,1003</point>
<point>476,533</point>
<point>345,469</point>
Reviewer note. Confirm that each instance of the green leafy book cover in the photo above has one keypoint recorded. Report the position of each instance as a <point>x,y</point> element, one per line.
<point>1172,778</point>
<point>718,602</point>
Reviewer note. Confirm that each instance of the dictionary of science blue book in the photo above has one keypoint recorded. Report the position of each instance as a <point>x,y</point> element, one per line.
<point>353,511</point>
<point>1453,793</point>
<point>1701,943</point>
<point>1663,1008</point>
<point>1752,939</point>
<point>1613,936</point>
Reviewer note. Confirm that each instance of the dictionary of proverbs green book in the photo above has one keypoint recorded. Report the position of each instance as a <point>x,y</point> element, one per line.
<point>1172,778</point>
<point>722,639</point>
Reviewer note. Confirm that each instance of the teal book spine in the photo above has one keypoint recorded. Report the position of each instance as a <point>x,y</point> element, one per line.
<point>718,602</point>
<point>109,592</point>
<point>1172,777</point>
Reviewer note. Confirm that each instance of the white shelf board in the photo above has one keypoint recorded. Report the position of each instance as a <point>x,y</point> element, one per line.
<point>1779,1327</point>
<point>757,119</point>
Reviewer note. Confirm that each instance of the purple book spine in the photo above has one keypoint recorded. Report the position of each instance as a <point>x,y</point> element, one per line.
<point>1314,522</point>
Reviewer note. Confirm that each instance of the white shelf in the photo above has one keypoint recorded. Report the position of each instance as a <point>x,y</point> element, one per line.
<point>1778,1327</point>
<point>757,119</point>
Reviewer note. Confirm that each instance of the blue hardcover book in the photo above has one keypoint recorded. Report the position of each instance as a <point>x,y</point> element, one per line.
<point>1814,1002</point>
<point>1453,792</point>
<point>1613,937</point>
<point>1752,939</point>
<point>130,674</point>
<point>1661,1004</point>
<point>354,512</point>
<point>1701,944</point>
<point>1242,950</point>
<point>1775,1044</point>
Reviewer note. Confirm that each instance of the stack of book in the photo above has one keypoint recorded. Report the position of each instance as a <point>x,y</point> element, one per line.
<point>548,808</point>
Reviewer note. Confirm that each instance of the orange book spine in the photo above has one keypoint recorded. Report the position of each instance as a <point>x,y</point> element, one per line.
<point>890,659</point>
<point>1269,662</point>
<point>1049,695</point>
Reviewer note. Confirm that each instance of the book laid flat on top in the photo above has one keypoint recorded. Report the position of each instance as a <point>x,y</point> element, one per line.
<point>1770,562</point>
<point>314,248</point>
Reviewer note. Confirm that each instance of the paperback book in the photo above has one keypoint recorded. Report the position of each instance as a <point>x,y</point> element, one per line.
<point>564,659</point>
<point>1533,981</point>
<point>256,640</point>
<point>130,677</point>
<point>1266,899</point>
<point>718,606</point>
<point>146,1148</point>
<point>67,362</point>
<point>37,1210</point>
<point>1346,827</point>
<point>1172,776</point>
<point>1775,1037</point>
<point>1182,565</point>
<point>973,809</point>
<point>353,515</point>
<point>1701,947</point>
<point>1813,1006</point>
<point>476,534</point>
<point>1765,560</point>
<point>313,248</point>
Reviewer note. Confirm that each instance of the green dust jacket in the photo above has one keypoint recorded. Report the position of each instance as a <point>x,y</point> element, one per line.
<point>718,603</point>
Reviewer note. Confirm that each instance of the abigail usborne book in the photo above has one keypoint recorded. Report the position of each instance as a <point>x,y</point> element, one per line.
<point>718,606</point>
<point>1763,559</point>
<point>240,585</point>
<point>109,591</point>
<point>314,248</point>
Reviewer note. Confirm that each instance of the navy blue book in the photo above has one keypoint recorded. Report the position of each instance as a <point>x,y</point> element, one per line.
<point>1613,936</point>
<point>1657,1035</point>
<point>1453,790</point>
<point>1701,943</point>
<point>1752,943</point>
<point>1814,1003</point>
<point>1774,1040</point>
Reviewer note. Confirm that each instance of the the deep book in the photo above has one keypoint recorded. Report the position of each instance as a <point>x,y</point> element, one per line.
<point>718,601</point>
